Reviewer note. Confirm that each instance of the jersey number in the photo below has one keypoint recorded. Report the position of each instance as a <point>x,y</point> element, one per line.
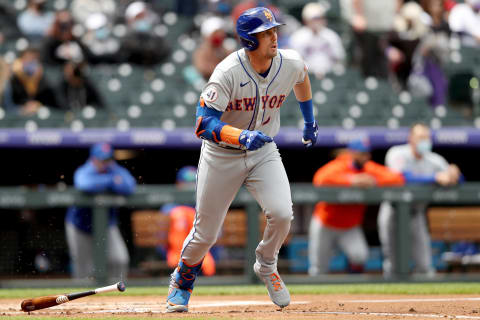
<point>211,95</point>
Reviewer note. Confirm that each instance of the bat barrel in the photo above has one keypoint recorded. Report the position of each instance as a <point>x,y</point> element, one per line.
<point>119,286</point>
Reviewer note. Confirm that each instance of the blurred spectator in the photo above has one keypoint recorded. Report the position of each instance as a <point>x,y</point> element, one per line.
<point>98,38</point>
<point>75,89</point>
<point>181,222</point>
<point>28,88</point>
<point>410,26</point>
<point>141,45</point>
<point>99,174</point>
<point>438,12</point>
<point>61,45</point>
<point>320,46</point>
<point>4,78</point>
<point>419,48</point>
<point>464,19</point>
<point>419,165</point>
<point>428,78</point>
<point>339,224</point>
<point>35,21</point>
<point>83,9</point>
<point>371,21</point>
<point>211,49</point>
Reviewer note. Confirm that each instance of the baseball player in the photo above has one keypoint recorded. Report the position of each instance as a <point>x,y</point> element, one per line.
<point>237,116</point>
<point>99,174</point>
<point>418,164</point>
<point>340,225</point>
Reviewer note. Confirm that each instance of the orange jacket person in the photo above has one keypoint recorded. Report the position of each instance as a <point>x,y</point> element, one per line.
<point>340,224</point>
<point>181,222</point>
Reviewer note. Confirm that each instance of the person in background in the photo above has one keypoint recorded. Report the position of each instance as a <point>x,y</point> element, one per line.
<point>181,221</point>
<point>464,19</point>
<point>76,90</point>
<point>320,46</point>
<point>211,49</point>
<point>141,45</point>
<point>103,46</point>
<point>410,26</point>
<point>35,21</point>
<point>419,165</point>
<point>100,174</point>
<point>61,45</point>
<point>82,10</point>
<point>4,78</point>
<point>371,21</point>
<point>28,89</point>
<point>340,225</point>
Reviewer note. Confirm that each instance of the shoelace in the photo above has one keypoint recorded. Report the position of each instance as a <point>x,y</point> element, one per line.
<point>276,282</point>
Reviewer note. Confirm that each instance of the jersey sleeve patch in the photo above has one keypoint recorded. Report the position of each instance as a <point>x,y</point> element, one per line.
<point>210,94</point>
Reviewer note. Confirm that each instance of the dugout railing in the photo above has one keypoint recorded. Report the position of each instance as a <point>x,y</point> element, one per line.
<point>153,196</point>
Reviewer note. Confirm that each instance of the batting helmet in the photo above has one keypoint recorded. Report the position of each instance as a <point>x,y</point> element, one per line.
<point>253,21</point>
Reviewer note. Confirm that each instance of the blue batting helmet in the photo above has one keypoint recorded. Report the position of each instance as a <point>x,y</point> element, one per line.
<point>253,21</point>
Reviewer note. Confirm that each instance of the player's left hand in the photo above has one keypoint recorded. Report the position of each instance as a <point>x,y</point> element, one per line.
<point>310,132</point>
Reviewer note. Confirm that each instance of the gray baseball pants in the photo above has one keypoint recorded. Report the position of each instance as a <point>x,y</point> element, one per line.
<point>221,173</point>
<point>322,240</point>
<point>421,249</point>
<point>80,245</point>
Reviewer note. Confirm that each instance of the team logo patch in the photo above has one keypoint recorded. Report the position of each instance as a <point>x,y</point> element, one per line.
<point>268,15</point>
<point>211,94</point>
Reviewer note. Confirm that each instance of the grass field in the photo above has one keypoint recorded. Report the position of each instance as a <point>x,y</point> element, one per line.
<point>157,294</point>
<point>388,288</point>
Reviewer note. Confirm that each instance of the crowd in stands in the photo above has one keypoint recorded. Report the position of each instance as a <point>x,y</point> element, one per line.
<point>405,42</point>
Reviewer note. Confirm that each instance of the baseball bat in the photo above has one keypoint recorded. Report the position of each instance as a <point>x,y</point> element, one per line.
<point>50,301</point>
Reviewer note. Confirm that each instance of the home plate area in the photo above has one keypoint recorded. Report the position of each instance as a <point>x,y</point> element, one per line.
<point>260,307</point>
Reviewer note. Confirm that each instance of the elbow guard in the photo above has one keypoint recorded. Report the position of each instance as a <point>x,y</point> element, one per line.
<point>208,126</point>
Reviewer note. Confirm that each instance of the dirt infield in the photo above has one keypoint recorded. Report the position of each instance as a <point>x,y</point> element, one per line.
<point>259,307</point>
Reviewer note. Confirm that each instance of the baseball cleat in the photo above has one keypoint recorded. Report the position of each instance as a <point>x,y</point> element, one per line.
<point>277,291</point>
<point>177,300</point>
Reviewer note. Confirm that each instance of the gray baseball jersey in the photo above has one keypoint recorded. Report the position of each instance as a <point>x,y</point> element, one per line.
<point>248,101</point>
<point>401,158</point>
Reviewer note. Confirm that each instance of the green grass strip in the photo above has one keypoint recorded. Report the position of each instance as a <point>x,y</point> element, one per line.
<point>388,288</point>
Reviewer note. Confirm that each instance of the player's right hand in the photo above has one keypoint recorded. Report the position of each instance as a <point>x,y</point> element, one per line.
<point>253,140</point>
<point>443,178</point>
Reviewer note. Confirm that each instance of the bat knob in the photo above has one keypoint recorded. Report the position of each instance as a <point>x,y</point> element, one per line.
<point>121,286</point>
<point>27,305</point>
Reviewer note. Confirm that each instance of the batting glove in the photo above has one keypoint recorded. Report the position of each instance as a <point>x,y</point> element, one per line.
<point>310,132</point>
<point>253,140</point>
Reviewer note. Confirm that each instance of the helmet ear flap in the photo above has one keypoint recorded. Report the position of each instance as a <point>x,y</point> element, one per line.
<point>250,43</point>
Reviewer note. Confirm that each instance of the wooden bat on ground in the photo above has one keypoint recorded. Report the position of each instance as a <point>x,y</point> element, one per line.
<point>50,301</point>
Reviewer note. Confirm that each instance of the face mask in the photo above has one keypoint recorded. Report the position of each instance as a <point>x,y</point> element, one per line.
<point>102,33</point>
<point>424,146</point>
<point>30,68</point>
<point>142,25</point>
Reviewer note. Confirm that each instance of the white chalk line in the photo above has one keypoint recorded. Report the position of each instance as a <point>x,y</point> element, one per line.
<point>412,300</point>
